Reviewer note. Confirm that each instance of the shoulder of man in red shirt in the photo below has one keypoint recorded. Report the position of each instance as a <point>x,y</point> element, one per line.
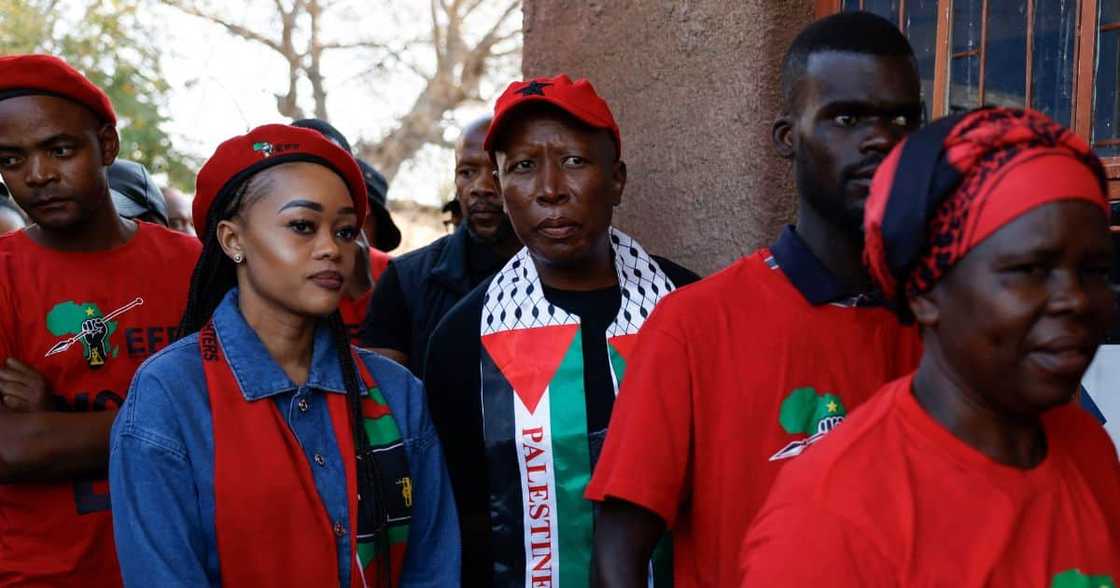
<point>679,308</point>
<point>9,241</point>
<point>656,393</point>
<point>172,244</point>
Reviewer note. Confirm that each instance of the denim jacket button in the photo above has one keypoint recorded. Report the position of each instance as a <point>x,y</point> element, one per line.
<point>339,530</point>
<point>319,459</point>
<point>304,405</point>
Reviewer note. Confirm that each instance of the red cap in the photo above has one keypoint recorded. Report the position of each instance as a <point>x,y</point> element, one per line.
<point>578,99</point>
<point>22,75</point>
<point>263,147</point>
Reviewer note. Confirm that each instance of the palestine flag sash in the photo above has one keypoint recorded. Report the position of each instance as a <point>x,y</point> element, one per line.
<point>262,472</point>
<point>535,415</point>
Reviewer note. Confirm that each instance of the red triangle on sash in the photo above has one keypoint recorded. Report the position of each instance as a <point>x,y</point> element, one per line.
<point>624,345</point>
<point>528,358</point>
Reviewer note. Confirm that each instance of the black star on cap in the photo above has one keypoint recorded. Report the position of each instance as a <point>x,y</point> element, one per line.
<point>534,88</point>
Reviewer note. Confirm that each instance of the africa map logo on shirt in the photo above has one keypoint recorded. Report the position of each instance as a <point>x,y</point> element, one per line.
<point>86,323</point>
<point>804,412</point>
<point>1076,579</point>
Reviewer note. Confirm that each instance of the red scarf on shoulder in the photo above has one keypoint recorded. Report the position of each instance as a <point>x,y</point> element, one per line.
<point>271,526</point>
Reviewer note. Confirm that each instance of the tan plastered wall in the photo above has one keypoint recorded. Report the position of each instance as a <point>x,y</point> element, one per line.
<point>694,86</point>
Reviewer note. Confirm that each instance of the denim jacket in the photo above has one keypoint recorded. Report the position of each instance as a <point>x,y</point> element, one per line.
<point>161,467</point>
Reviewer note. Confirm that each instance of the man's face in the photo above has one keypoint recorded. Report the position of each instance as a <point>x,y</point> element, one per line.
<point>849,110</point>
<point>560,183</point>
<point>476,188</point>
<point>179,211</point>
<point>53,154</point>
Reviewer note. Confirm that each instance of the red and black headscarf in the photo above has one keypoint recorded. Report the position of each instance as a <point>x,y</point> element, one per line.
<point>952,184</point>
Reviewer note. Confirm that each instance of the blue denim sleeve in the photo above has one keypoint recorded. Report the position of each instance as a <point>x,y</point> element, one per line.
<point>433,556</point>
<point>156,522</point>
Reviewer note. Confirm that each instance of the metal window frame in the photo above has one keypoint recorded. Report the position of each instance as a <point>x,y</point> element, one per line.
<point>1085,45</point>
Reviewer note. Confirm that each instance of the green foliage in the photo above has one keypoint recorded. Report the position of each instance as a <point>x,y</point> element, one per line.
<point>107,41</point>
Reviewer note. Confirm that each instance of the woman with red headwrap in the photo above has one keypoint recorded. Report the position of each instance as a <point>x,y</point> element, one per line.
<point>990,229</point>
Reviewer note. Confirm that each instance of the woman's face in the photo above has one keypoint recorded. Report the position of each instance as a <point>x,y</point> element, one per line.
<point>297,239</point>
<point>1020,317</point>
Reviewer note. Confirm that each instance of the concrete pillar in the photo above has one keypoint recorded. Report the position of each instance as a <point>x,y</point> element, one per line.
<point>694,85</point>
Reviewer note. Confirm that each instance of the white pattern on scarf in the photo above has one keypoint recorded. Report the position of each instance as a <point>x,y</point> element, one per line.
<point>515,299</point>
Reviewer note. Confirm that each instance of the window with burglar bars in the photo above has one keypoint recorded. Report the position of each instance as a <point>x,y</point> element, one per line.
<point>1061,57</point>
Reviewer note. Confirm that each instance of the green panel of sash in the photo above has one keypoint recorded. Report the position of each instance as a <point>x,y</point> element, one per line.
<point>568,406</point>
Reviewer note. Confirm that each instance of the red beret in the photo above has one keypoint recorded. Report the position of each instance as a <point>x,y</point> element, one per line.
<point>263,147</point>
<point>578,99</point>
<point>22,75</point>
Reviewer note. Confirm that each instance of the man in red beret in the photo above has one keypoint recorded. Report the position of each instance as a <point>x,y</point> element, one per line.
<point>522,374</point>
<point>85,297</point>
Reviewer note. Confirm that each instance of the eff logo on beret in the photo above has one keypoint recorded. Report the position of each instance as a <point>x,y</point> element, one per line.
<point>268,149</point>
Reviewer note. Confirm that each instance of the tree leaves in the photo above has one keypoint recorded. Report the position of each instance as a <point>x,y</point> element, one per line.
<point>108,42</point>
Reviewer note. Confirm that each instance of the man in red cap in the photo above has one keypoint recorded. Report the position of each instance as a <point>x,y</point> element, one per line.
<point>522,374</point>
<point>745,370</point>
<point>420,287</point>
<point>85,297</point>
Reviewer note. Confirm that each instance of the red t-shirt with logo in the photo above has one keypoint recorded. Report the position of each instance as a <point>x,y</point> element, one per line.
<point>731,378</point>
<point>894,499</point>
<point>61,534</point>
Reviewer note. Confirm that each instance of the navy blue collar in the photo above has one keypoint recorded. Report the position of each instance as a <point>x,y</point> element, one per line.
<point>257,374</point>
<point>815,282</point>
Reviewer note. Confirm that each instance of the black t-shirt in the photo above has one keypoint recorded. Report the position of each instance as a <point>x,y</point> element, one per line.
<point>452,383</point>
<point>387,322</point>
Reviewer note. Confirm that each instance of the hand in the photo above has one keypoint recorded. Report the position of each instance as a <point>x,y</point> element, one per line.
<point>22,389</point>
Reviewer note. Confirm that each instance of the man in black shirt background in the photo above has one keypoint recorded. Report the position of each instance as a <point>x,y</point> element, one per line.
<point>522,374</point>
<point>420,287</point>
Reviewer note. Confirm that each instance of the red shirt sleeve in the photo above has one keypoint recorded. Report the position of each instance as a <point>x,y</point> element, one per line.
<point>800,545</point>
<point>645,459</point>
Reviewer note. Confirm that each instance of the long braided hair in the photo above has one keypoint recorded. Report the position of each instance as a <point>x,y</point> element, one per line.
<point>214,275</point>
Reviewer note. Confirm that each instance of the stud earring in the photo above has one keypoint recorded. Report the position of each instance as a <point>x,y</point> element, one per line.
<point>237,258</point>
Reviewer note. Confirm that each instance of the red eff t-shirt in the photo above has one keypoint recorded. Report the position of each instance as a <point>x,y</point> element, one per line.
<point>118,307</point>
<point>731,378</point>
<point>894,499</point>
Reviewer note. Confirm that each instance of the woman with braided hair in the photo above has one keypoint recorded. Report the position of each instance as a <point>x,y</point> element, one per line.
<point>261,449</point>
<point>990,230</point>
